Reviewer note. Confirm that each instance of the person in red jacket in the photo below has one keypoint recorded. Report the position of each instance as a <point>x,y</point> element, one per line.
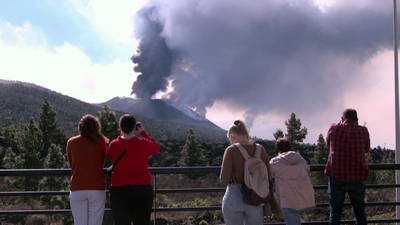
<point>131,192</point>
<point>86,153</point>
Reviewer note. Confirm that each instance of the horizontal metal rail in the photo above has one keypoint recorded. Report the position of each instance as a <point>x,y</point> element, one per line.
<point>173,209</point>
<point>172,191</point>
<point>165,170</point>
<point>181,170</point>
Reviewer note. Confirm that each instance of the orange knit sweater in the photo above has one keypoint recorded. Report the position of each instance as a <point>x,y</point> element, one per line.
<point>86,160</point>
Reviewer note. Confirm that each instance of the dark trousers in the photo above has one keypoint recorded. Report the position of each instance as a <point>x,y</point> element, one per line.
<point>337,191</point>
<point>131,203</point>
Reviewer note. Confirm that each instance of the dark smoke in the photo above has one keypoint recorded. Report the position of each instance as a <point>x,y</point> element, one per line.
<point>258,56</point>
<point>153,58</point>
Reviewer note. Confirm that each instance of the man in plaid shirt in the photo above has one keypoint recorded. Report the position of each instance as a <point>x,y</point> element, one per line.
<point>346,167</point>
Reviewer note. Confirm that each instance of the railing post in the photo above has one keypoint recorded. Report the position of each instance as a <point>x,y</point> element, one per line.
<point>396,94</point>
<point>155,197</point>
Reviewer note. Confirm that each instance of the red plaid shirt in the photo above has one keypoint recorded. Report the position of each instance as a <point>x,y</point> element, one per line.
<point>347,143</point>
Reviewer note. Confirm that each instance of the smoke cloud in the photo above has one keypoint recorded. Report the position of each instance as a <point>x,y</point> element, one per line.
<point>153,58</point>
<point>278,56</point>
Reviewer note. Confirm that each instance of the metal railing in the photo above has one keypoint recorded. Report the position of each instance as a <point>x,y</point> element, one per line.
<point>179,170</point>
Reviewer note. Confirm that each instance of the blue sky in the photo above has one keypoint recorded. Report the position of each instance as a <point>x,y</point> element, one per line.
<point>79,48</point>
<point>60,22</point>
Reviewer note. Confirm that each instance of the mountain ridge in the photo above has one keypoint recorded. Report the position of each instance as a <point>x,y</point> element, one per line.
<point>24,100</point>
<point>156,108</point>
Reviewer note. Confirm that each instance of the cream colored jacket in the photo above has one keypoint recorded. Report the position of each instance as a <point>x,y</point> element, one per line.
<point>293,188</point>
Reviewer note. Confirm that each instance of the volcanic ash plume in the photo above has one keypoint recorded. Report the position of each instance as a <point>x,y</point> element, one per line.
<point>153,59</point>
<point>265,56</point>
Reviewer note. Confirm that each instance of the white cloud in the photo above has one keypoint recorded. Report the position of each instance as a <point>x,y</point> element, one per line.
<point>65,69</point>
<point>112,19</point>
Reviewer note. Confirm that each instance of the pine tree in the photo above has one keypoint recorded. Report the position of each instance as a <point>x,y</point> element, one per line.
<point>295,133</point>
<point>387,176</point>
<point>30,144</point>
<point>51,133</point>
<point>321,154</point>
<point>8,136</point>
<point>278,134</point>
<point>192,154</point>
<point>109,124</point>
<point>109,127</point>
<point>54,159</point>
<point>373,174</point>
<point>12,161</point>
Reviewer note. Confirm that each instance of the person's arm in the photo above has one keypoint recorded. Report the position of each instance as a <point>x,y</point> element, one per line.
<point>267,163</point>
<point>328,139</point>
<point>104,153</point>
<point>368,144</point>
<point>150,144</point>
<point>226,168</point>
<point>110,152</point>
<point>69,157</point>
<point>271,174</point>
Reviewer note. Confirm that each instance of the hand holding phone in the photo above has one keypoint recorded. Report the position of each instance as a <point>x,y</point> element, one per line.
<point>139,127</point>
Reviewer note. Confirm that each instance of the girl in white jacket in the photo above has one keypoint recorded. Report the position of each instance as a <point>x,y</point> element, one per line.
<point>293,189</point>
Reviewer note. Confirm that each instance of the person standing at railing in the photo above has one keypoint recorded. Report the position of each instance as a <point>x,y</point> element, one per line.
<point>131,193</point>
<point>293,188</point>
<point>235,211</point>
<point>86,155</point>
<point>347,168</point>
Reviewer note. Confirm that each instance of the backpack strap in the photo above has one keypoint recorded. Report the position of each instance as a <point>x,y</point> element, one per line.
<point>245,154</point>
<point>242,150</point>
<point>258,151</point>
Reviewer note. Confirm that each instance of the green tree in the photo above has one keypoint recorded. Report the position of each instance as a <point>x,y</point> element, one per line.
<point>30,145</point>
<point>9,134</point>
<point>109,124</point>
<point>372,173</point>
<point>278,134</point>
<point>295,133</point>
<point>387,176</point>
<point>109,127</point>
<point>321,154</point>
<point>51,133</point>
<point>54,159</point>
<point>192,154</point>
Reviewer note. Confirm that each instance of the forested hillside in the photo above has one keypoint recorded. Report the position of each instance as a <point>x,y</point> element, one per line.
<point>20,101</point>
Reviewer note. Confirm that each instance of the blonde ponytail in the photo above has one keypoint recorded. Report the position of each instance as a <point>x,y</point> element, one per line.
<point>239,127</point>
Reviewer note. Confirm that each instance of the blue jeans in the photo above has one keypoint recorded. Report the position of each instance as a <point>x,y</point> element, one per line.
<point>292,216</point>
<point>236,212</point>
<point>355,190</point>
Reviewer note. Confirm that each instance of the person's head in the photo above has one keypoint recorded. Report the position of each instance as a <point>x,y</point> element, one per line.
<point>127,123</point>
<point>89,127</point>
<point>237,131</point>
<point>283,145</point>
<point>349,114</point>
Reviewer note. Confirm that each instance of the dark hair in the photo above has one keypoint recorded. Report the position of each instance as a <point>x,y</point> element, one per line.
<point>350,114</point>
<point>127,123</point>
<point>89,127</point>
<point>238,127</point>
<point>283,145</point>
